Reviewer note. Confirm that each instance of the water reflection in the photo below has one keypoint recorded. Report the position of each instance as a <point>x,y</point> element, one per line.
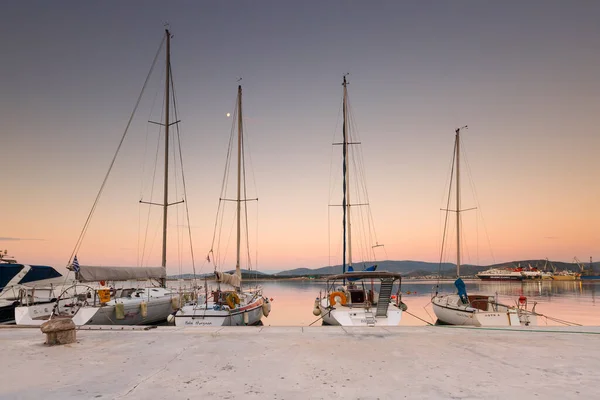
<point>568,300</point>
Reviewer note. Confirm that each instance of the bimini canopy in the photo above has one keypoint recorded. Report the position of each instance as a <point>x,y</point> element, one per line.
<point>366,275</point>
<point>95,274</point>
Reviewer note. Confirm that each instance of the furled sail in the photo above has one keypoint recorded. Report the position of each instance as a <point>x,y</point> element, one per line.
<point>234,279</point>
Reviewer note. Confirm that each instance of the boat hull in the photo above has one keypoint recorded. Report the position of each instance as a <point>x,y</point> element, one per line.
<point>590,277</point>
<point>158,309</point>
<point>194,315</point>
<point>36,314</point>
<point>451,315</point>
<point>500,278</point>
<point>359,316</point>
<point>450,311</point>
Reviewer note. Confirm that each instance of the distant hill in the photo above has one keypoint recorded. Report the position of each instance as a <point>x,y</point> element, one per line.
<point>408,268</point>
<point>403,267</point>
<point>412,268</point>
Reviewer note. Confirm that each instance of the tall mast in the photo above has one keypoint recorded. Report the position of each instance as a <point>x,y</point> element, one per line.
<point>166,188</point>
<point>239,182</point>
<point>457,202</point>
<point>345,185</point>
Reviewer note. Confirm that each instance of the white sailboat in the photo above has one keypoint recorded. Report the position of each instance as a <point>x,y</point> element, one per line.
<point>475,310</point>
<point>235,305</point>
<point>116,295</point>
<point>353,298</point>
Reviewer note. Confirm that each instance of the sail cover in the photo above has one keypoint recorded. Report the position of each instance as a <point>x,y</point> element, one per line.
<point>462,290</point>
<point>94,274</point>
<point>234,279</point>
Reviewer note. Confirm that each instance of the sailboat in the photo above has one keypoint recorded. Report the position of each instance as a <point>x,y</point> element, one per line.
<point>112,295</point>
<point>475,310</point>
<point>235,305</point>
<point>352,297</point>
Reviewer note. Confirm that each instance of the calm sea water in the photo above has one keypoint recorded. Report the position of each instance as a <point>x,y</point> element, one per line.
<point>571,301</point>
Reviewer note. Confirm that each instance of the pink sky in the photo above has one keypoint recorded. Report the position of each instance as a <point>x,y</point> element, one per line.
<point>523,77</point>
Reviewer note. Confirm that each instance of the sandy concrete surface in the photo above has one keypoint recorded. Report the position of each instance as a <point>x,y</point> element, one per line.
<point>304,363</point>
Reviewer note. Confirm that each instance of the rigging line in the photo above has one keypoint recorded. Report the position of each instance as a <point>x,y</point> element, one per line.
<point>320,318</point>
<point>143,173</point>
<point>419,318</point>
<point>158,90</point>
<point>331,190</point>
<point>244,137</point>
<point>369,232</point>
<point>248,259</point>
<point>87,222</point>
<point>463,239</point>
<point>329,236</point>
<point>224,183</point>
<point>173,138</point>
<point>474,189</point>
<point>437,286</point>
<point>187,211</point>
<point>561,321</point>
<point>256,246</point>
<point>152,187</point>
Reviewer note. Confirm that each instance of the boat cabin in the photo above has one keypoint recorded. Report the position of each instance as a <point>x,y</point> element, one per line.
<point>360,288</point>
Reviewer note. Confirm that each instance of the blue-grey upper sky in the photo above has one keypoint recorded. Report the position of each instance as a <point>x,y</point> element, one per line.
<point>522,75</point>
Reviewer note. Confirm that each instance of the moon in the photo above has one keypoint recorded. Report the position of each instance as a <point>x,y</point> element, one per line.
<point>228,115</point>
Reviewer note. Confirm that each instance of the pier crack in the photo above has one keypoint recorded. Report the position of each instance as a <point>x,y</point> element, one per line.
<point>164,367</point>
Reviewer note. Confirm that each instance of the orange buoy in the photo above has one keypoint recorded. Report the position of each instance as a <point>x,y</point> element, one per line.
<point>341,296</point>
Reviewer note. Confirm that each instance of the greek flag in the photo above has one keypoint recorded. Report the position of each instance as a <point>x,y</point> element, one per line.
<point>75,264</point>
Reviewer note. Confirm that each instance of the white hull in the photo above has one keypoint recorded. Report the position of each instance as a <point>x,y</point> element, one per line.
<point>359,316</point>
<point>450,310</point>
<point>158,309</point>
<point>37,314</point>
<point>206,315</point>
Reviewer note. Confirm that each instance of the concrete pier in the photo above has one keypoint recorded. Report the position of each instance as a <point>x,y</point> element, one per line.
<point>301,363</point>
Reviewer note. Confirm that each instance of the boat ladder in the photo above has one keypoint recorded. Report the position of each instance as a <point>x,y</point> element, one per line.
<point>385,292</point>
<point>369,318</point>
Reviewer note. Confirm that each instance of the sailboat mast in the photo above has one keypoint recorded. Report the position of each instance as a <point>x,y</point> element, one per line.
<point>345,185</point>
<point>239,182</point>
<point>457,202</point>
<point>166,187</point>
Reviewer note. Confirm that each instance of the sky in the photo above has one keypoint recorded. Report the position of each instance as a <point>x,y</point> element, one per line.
<point>522,75</point>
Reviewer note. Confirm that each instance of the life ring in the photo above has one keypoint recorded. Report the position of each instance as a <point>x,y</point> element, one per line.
<point>232,299</point>
<point>341,295</point>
